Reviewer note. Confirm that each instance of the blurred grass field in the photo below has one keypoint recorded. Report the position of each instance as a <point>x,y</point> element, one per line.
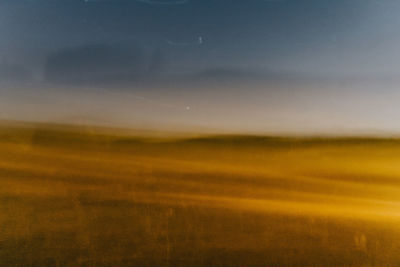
<point>78,196</point>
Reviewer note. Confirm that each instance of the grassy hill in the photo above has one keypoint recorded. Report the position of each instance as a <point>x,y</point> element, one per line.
<point>87,196</point>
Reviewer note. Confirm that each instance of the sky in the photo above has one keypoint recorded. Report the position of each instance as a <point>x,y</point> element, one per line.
<point>270,66</point>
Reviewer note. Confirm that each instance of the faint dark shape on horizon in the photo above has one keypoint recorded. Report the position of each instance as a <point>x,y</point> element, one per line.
<point>102,63</point>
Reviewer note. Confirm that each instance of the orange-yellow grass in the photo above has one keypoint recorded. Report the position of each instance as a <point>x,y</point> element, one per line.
<point>74,196</point>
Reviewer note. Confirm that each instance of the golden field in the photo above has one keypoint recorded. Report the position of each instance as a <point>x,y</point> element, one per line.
<point>89,197</point>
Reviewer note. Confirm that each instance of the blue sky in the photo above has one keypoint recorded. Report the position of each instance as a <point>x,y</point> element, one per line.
<point>211,54</point>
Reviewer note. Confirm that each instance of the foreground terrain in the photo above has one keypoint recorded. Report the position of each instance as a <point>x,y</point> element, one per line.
<point>74,196</point>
